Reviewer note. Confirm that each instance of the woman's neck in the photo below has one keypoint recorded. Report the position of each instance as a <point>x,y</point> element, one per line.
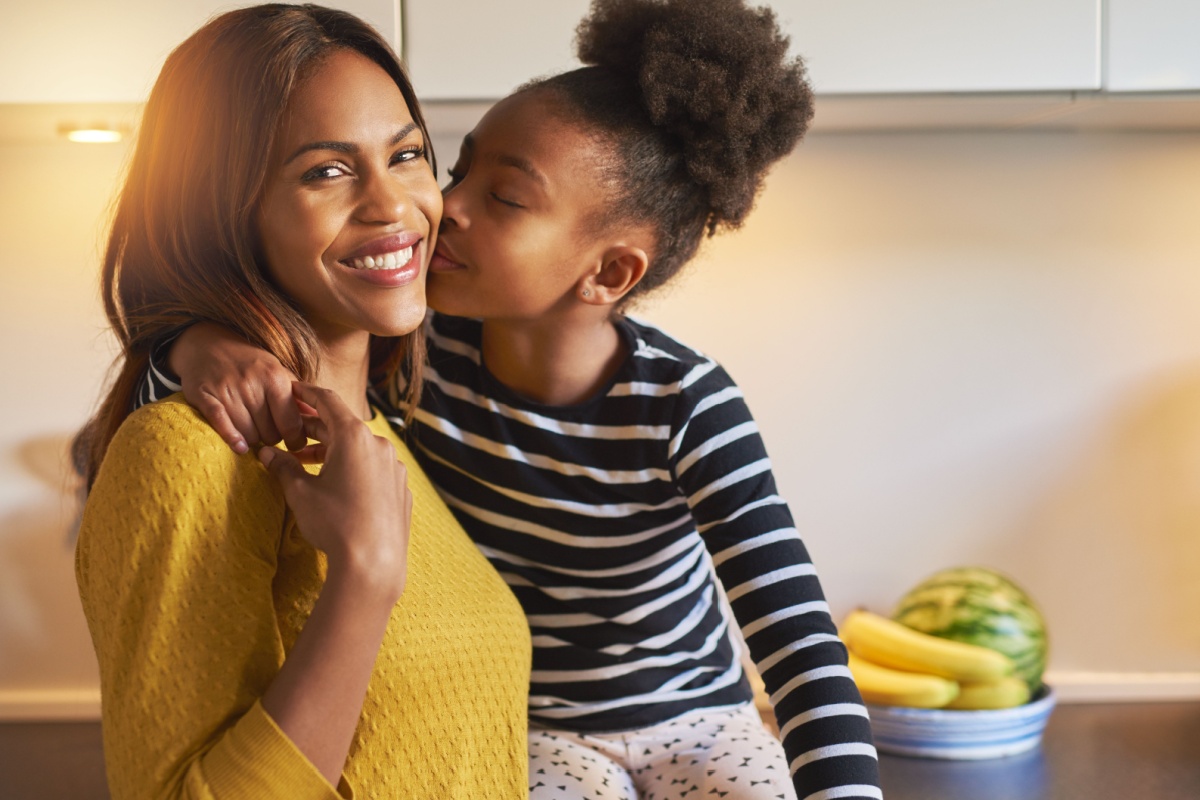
<point>344,368</point>
<point>553,361</point>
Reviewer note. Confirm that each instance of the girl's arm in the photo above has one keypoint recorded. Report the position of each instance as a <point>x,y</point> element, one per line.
<point>242,390</point>
<point>721,466</point>
<point>176,562</point>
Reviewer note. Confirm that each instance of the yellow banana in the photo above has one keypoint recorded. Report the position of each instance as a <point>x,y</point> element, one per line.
<point>890,687</point>
<point>1004,693</point>
<point>891,644</point>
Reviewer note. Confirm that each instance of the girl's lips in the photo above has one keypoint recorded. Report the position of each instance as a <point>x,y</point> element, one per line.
<point>441,263</point>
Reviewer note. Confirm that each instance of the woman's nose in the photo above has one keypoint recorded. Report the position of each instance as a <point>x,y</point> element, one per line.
<point>385,198</point>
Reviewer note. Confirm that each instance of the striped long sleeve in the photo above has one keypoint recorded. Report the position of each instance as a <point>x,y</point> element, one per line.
<point>720,464</point>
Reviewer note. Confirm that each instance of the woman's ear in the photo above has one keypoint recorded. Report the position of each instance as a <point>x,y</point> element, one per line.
<point>620,269</point>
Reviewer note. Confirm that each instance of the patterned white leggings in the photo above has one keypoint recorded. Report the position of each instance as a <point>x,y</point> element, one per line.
<point>722,754</point>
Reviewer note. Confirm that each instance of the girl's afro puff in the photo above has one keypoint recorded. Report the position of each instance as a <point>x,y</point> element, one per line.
<point>714,75</point>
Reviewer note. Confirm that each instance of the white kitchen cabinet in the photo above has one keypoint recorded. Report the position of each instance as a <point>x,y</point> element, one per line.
<point>885,46</point>
<point>464,49</point>
<point>471,50</point>
<point>84,51</point>
<point>1153,45</point>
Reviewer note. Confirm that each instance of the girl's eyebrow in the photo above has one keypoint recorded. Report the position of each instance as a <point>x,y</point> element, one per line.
<point>523,164</point>
<point>348,147</point>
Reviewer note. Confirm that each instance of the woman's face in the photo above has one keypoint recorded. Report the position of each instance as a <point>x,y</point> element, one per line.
<point>351,206</point>
<point>517,233</point>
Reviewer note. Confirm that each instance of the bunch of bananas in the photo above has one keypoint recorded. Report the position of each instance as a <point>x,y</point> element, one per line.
<point>898,666</point>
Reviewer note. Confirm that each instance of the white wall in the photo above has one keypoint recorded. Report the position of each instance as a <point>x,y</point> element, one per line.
<point>962,349</point>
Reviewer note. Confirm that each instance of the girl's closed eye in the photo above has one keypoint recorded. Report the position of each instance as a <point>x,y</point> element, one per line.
<point>505,200</point>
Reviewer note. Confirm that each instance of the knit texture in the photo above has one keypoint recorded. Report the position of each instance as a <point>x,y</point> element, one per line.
<point>195,583</point>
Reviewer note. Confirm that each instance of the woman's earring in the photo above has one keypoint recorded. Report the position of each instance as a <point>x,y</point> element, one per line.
<point>587,292</point>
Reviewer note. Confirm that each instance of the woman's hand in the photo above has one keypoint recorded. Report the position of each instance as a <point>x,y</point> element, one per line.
<point>357,511</point>
<point>242,390</point>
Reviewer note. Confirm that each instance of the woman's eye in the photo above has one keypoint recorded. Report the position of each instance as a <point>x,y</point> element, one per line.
<point>325,172</point>
<point>408,154</point>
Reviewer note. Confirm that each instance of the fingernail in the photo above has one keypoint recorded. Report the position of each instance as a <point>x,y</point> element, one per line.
<point>240,447</point>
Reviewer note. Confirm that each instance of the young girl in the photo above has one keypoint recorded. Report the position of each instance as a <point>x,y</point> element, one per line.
<point>603,467</point>
<point>348,641</point>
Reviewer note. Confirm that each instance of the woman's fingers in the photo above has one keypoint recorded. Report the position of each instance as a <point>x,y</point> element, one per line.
<point>330,408</point>
<point>286,469</point>
<point>284,412</point>
<point>311,454</point>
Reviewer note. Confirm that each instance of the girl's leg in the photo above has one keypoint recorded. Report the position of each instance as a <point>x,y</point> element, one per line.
<point>574,766</point>
<point>711,755</point>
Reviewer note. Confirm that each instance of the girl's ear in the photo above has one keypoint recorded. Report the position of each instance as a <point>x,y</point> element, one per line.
<point>620,269</point>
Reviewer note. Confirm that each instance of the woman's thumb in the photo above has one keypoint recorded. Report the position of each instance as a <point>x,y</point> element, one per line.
<point>283,466</point>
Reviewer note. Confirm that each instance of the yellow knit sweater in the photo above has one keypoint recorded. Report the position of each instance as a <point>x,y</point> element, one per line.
<point>195,583</point>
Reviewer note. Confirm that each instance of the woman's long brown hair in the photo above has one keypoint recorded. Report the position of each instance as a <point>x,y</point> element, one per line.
<point>183,243</point>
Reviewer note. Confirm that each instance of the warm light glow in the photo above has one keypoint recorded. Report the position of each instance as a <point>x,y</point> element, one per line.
<point>94,135</point>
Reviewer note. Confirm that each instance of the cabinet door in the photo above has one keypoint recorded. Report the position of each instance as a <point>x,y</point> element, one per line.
<point>85,51</point>
<point>459,49</point>
<point>1153,45</point>
<point>471,50</point>
<point>885,46</point>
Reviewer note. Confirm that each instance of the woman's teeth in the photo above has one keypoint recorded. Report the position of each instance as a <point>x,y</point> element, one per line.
<point>385,261</point>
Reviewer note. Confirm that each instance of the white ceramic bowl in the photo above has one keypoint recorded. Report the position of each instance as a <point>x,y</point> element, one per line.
<point>963,735</point>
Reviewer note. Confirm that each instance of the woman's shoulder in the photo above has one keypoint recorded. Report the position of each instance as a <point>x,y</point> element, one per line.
<point>168,441</point>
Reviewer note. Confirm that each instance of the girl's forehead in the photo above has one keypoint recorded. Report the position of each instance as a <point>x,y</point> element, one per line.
<point>530,127</point>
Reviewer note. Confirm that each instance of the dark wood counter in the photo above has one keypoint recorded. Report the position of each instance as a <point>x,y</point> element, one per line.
<point>1090,752</point>
<point>1143,751</point>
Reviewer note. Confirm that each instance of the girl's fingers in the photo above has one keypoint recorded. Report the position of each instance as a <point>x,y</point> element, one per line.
<point>218,418</point>
<point>260,412</point>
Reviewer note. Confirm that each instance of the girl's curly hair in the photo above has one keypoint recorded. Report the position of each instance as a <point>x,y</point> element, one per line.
<point>696,99</point>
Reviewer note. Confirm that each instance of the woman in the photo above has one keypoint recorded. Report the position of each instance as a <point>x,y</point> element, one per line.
<point>267,632</point>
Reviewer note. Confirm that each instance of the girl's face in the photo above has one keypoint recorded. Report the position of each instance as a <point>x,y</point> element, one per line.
<point>350,206</point>
<point>515,236</point>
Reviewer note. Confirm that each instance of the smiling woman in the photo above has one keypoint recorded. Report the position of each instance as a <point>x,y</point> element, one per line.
<point>287,632</point>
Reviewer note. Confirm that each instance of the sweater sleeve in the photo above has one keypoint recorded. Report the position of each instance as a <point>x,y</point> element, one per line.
<point>721,465</point>
<point>175,562</point>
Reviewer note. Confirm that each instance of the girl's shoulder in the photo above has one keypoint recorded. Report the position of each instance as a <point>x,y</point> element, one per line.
<point>658,357</point>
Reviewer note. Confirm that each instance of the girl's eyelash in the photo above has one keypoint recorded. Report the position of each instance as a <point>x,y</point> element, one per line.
<point>509,203</point>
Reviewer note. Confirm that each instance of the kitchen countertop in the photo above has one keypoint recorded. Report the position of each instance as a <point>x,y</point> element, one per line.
<point>1144,751</point>
<point>1113,751</point>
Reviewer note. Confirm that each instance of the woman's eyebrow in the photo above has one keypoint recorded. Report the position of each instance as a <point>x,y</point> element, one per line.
<point>347,147</point>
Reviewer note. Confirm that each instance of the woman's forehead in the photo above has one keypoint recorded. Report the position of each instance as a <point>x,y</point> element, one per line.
<point>347,95</point>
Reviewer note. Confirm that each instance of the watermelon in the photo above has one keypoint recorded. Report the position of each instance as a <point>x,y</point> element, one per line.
<point>980,606</point>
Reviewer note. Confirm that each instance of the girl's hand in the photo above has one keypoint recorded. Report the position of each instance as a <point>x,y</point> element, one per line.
<point>357,511</point>
<point>242,390</point>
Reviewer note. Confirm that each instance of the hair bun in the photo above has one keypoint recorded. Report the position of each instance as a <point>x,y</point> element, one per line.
<point>716,77</point>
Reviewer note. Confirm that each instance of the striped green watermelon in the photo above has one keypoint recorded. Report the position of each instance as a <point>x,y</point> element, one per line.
<point>980,606</point>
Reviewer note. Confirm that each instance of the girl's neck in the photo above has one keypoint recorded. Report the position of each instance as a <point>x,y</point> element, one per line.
<point>344,368</point>
<point>553,362</point>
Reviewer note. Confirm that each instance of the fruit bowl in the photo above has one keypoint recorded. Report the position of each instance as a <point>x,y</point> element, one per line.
<point>961,735</point>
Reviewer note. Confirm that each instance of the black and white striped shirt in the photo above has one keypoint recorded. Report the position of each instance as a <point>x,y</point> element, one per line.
<point>607,519</point>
